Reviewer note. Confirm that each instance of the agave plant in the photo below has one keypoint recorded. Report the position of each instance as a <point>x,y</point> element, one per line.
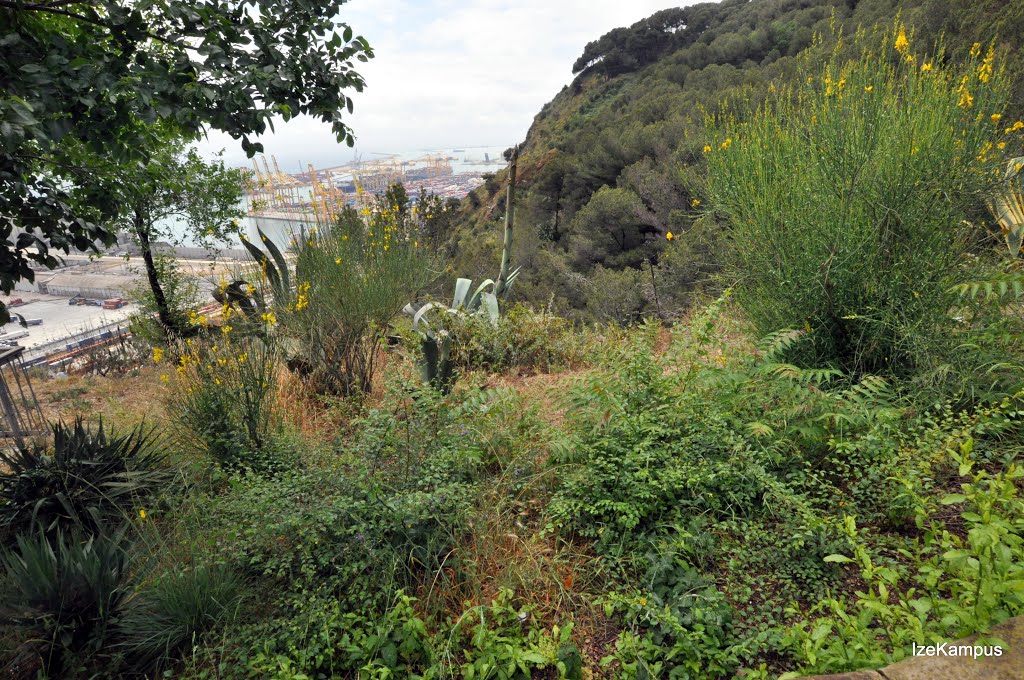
<point>1007,205</point>
<point>436,364</point>
<point>247,298</point>
<point>67,589</point>
<point>87,479</point>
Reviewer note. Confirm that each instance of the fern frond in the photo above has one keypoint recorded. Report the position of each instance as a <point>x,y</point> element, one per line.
<point>996,288</point>
<point>774,345</point>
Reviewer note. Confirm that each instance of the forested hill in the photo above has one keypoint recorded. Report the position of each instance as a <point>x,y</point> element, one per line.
<point>609,164</point>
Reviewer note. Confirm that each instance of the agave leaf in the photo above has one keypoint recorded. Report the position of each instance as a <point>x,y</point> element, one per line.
<point>489,303</point>
<point>511,279</point>
<point>1007,206</point>
<point>419,317</point>
<point>282,265</point>
<point>461,291</point>
<point>265,264</point>
<point>474,302</point>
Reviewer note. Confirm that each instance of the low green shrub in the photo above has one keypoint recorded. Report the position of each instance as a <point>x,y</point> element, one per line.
<point>89,478</point>
<point>680,628</point>
<point>521,339</point>
<point>499,640</point>
<point>961,580</point>
<point>650,451</point>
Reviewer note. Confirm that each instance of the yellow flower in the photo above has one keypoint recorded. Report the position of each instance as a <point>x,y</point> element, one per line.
<point>707,149</point>
<point>202,319</point>
<point>975,49</point>
<point>868,88</point>
<point>164,377</point>
<point>1016,126</point>
<point>225,329</point>
<point>995,118</point>
<point>925,67</point>
<point>669,236</point>
<point>726,143</point>
<point>269,318</point>
<point>337,260</point>
<point>966,101</point>
<point>902,44</point>
<point>142,513</point>
<point>694,203</point>
<point>1001,145</point>
<point>985,70</point>
<point>158,355</point>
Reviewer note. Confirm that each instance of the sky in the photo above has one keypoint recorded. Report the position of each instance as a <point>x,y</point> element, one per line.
<point>449,74</point>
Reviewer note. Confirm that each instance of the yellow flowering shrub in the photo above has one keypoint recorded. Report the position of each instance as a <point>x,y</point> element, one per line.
<point>846,198</point>
<point>355,277</point>
<point>223,397</point>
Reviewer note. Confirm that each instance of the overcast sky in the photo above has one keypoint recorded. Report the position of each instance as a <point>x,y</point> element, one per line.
<point>451,73</point>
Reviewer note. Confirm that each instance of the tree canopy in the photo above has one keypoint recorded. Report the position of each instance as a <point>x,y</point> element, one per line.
<point>81,78</point>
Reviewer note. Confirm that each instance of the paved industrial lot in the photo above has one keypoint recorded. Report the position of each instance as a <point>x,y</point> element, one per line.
<point>60,320</point>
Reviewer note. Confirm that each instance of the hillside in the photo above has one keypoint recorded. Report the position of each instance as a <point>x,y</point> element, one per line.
<point>815,470</point>
<point>611,163</point>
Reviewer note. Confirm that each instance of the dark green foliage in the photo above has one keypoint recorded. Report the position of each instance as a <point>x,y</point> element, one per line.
<point>58,134</point>
<point>69,589</point>
<point>520,339</point>
<point>651,455</point>
<point>88,479</point>
<point>174,611</point>
<point>334,548</point>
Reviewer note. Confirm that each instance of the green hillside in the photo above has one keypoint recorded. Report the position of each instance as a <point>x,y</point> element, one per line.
<point>815,468</point>
<point>610,164</point>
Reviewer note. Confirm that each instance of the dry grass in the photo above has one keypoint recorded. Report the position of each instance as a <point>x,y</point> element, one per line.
<point>121,400</point>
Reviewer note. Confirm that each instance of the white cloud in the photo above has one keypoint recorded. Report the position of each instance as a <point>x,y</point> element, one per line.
<point>450,73</point>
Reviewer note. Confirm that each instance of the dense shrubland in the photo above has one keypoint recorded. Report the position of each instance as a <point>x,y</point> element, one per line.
<point>808,471</point>
<point>613,163</point>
